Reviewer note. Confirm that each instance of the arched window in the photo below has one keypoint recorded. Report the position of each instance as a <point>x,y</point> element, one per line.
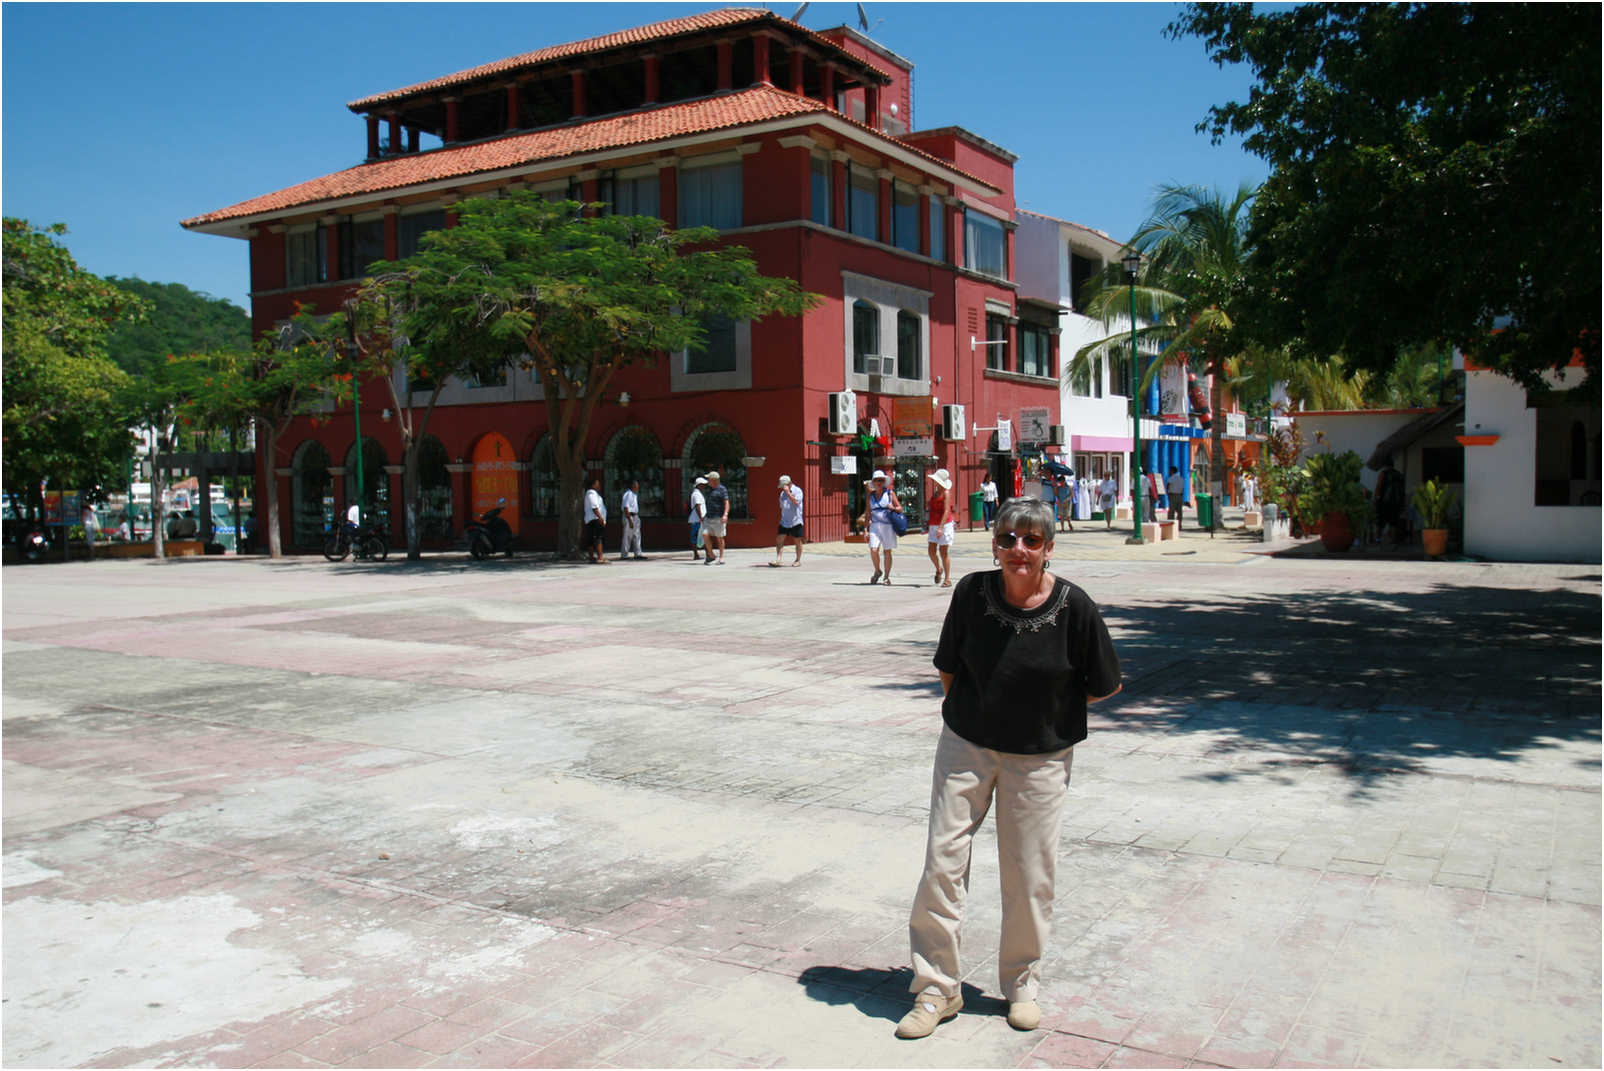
<point>375,481</point>
<point>311,494</point>
<point>865,336</point>
<point>717,448</point>
<point>434,492</point>
<point>543,480</point>
<point>634,454</point>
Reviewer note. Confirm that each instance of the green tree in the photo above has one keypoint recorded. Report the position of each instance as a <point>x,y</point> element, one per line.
<point>1194,250</point>
<point>539,285</point>
<point>1435,176</point>
<point>61,418</point>
<point>287,373</point>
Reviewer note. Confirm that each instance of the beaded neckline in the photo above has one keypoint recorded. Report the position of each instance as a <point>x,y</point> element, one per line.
<point>1021,621</point>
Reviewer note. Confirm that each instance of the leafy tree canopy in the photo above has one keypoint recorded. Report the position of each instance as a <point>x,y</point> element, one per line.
<point>1436,176</point>
<point>61,419</point>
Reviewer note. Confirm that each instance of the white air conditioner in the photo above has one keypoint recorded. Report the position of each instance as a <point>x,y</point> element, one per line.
<point>1056,436</point>
<point>952,423</point>
<point>843,413</point>
<point>876,365</point>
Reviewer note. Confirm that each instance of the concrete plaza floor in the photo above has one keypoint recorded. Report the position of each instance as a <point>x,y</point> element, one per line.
<point>1345,813</point>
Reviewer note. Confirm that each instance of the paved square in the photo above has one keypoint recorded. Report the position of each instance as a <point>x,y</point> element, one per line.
<point>1345,813</point>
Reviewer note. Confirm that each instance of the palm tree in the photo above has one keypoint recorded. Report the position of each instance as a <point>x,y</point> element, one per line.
<point>1194,261</point>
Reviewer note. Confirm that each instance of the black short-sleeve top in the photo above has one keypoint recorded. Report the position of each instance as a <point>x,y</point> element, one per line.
<point>1021,677</point>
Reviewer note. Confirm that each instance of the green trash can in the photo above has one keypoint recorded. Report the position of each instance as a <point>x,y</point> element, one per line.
<point>1205,509</point>
<point>977,506</point>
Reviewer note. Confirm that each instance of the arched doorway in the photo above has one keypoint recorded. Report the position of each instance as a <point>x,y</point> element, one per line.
<point>311,495</point>
<point>543,480</point>
<point>717,447</point>
<point>375,481</point>
<point>434,492</point>
<point>635,454</point>
<point>495,479</point>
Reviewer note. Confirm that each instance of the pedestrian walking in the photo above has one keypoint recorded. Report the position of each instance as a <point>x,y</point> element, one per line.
<point>695,517</point>
<point>629,504</point>
<point>1107,493</point>
<point>1175,488</point>
<point>943,524</point>
<point>988,499</point>
<point>1066,504</point>
<point>595,522</point>
<point>718,515</point>
<point>882,537</point>
<point>790,520</point>
<point>1022,652</point>
<point>91,525</point>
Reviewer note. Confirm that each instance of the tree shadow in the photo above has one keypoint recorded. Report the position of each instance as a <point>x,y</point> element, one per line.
<point>882,993</point>
<point>1372,682</point>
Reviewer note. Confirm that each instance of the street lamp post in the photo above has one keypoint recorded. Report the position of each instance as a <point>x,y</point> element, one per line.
<point>1133,261</point>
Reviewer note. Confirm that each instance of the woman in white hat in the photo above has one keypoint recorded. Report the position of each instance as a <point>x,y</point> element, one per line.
<point>942,524</point>
<point>882,504</point>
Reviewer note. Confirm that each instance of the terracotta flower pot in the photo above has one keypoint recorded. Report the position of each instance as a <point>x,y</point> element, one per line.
<point>1435,541</point>
<point>1336,533</point>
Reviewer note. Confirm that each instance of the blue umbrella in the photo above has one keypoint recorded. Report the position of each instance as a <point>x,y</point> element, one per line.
<point>1057,469</point>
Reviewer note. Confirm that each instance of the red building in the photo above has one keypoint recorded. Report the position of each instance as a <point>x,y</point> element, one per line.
<point>797,145</point>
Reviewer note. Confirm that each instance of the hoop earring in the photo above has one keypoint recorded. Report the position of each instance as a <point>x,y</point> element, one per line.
<point>1046,564</point>
<point>995,560</point>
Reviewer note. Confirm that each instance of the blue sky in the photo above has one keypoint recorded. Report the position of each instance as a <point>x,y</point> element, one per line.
<point>121,119</point>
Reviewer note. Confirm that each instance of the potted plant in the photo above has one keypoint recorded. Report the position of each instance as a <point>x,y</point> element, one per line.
<point>1433,501</point>
<point>1333,498</point>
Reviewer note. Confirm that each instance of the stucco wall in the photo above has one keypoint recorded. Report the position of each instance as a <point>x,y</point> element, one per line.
<point>1500,520</point>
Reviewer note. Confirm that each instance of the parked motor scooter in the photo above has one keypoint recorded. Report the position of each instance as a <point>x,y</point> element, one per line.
<point>490,534</point>
<point>35,545</point>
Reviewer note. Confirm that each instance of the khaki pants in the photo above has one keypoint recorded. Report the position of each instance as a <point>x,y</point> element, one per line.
<point>1030,792</point>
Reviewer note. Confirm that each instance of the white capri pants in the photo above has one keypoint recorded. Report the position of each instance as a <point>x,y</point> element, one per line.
<point>882,536</point>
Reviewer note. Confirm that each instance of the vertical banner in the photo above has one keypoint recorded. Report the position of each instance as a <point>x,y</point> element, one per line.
<point>495,476</point>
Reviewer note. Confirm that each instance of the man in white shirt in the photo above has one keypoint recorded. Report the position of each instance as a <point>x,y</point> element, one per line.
<point>698,512</point>
<point>988,494</point>
<point>595,522</point>
<point>1107,493</point>
<point>790,520</point>
<point>630,504</point>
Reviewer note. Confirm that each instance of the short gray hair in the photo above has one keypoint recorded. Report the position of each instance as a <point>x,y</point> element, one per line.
<point>1026,515</point>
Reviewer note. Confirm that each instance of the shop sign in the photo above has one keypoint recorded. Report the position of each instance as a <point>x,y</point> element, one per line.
<point>913,446</point>
<point>1236,424</point>
<point>1034,424</point>
<point>843,465</point>
<point>1005,435</point>
<point>910,418</point>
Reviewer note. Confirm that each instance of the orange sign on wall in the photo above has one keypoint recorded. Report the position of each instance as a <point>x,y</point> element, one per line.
<point>495,477</point>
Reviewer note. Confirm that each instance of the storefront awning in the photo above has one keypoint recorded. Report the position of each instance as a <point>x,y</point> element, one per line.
<point>1411,432</point>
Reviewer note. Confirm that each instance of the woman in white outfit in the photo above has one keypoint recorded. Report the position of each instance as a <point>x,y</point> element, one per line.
<point>882,537</point>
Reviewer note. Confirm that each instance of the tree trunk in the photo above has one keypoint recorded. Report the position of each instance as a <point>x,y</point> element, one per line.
<point>158,522</point>
<point>570,500</point>
<point>409,494</point>
<point>275,541</point>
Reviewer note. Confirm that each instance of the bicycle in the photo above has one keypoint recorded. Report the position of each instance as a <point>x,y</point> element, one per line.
<point>369,544</point>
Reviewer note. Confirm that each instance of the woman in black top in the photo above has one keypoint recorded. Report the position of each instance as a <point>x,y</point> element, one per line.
<point>1022,653</point>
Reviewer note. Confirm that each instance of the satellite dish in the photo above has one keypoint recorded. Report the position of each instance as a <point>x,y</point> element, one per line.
<point>797,14</point>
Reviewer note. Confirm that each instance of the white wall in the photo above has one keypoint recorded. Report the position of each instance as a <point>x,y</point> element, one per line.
<point>1500,484</point>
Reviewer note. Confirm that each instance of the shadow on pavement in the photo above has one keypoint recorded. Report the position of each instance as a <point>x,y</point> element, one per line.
<point>1371,681</point>
<point>882,994</point>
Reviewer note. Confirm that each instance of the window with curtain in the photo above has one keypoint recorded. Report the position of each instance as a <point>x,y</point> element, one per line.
<point>361,243</point>
<point>985,247</point>
<point>865,335</point>
<point>1035,350</point>
<point>904,217</point>
<point>863,202</point>
<point>819,189</point>
<point>306,257</point>
<point>710,196</point>
<point>938,229</point>
<point>415,226</point>
<point>631,196</point>
<point>997,332</point>
<point>910,359</point>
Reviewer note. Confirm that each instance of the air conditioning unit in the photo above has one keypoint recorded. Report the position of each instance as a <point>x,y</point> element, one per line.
<point>952,423</point>
<point>843,413</point>
<point>1056,436</point>
<point>876,365</point>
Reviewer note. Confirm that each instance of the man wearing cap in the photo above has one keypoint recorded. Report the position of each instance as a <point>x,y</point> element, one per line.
<point>718,512</point>
<point>790,520</point>
<point>942,524</point>
<point>698,511</point>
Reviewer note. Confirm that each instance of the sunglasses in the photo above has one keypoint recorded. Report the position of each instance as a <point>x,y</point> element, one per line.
<point>1032,541</point>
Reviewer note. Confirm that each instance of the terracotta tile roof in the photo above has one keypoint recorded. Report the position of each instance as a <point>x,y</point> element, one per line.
<point>725,111</point>
<point>657,31</point>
